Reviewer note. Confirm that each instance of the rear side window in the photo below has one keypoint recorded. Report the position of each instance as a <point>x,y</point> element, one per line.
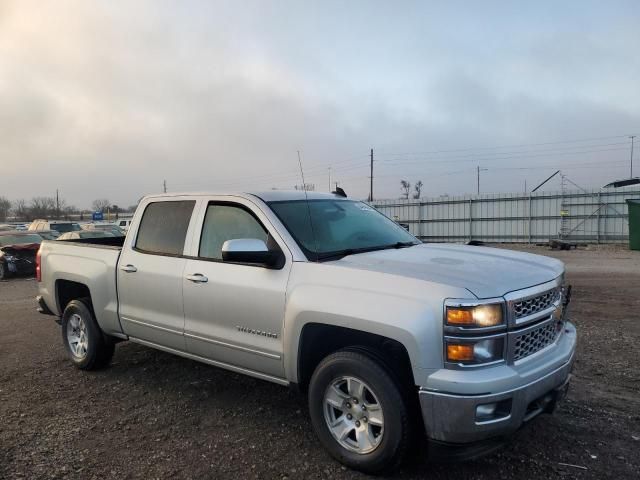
<point>163,227</point>
<point>227,222</point>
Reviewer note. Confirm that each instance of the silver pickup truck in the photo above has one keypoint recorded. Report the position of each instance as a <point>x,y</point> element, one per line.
<point>389,338</point>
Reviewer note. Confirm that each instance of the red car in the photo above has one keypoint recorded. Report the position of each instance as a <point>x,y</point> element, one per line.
<point>18,253</point>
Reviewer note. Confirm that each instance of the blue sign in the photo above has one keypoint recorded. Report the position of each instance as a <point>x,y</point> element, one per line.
<point>97,216</point>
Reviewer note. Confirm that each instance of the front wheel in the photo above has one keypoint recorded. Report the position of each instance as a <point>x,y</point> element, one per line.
<point>87,347</point>
<point>359,413</point>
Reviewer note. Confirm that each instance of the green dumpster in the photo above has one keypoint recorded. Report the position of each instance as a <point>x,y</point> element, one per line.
<point>634,224</point>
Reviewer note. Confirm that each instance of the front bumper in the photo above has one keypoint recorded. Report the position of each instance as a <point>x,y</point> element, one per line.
<point>452,418</point>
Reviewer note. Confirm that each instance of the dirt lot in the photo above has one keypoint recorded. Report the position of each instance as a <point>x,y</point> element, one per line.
<point>154,415</point>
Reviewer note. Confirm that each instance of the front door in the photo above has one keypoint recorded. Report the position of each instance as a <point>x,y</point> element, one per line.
<point>234,313</point>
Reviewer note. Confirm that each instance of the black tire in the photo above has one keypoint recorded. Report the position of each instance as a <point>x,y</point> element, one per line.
<point>99,348</point>
<point>398,431</point>
<point>4,271</point>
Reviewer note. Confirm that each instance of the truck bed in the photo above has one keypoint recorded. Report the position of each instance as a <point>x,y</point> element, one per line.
<point>90,262</point>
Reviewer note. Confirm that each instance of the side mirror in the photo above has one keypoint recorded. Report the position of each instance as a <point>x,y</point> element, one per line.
<point>250,250</point>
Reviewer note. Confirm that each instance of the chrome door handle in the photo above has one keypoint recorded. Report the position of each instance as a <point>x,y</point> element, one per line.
<point>129,269</point>
<point>197,278</point>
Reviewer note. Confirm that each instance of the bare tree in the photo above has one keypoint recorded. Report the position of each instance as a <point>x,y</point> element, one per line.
<point>5,208</point>
<point>101,205</point>
<point>405,187</point>
<point>418,189</point>
<point>20,209</point>
<point>42,207</point>
<point>68,210</point>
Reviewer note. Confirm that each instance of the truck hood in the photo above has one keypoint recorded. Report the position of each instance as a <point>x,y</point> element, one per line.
<point>485,272</point>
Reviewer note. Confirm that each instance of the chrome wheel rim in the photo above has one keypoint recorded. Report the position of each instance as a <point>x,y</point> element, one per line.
<point>77,336</point>
<point>353,414</point>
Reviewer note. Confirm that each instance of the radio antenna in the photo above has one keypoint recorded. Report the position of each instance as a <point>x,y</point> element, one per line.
<point>306,197</point>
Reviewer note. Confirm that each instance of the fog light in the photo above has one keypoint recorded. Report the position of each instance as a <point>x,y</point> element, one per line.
<point>493,411</point>
<point>486,411</point>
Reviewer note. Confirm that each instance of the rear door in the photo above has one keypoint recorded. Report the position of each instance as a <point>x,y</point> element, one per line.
<point>150,273</point>
<point>234,313</point>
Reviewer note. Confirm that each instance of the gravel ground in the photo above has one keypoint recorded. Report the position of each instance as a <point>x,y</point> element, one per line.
<point>154,415</point>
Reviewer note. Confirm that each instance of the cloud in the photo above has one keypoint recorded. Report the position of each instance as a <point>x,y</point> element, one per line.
<point>110,99</point>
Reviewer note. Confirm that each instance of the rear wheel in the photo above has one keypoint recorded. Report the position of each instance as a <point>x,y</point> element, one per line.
<point>359,413</point>
<point>87,347</point>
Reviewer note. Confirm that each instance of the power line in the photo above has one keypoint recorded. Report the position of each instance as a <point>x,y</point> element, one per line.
<point>508,153</point>
<point>493,159</point>
<point>465,149</point>
<point>571,166</point>
<point>355,162</point>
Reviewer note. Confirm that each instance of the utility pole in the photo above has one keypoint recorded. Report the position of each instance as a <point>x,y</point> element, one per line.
<point>164,186</point>
<point>371,179</point>
<point>631,137</point>
<point>57,205</point>
<point>480,170</point>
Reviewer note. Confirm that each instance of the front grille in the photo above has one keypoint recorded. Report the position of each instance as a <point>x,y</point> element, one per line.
<point>530,306</point>
<point>534,340</point>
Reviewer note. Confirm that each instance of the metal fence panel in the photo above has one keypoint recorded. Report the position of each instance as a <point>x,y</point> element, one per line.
<point>595,216</point>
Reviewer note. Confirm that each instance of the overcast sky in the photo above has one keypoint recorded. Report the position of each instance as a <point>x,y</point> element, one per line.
<point>108,99</point>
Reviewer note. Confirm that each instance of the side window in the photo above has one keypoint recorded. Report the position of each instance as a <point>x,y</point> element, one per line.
<point>226,222</point>
<point>163,227</point>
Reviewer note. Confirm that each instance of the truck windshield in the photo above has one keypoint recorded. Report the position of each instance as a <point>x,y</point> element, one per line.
<point>65,227</point>
<point>339,228</point>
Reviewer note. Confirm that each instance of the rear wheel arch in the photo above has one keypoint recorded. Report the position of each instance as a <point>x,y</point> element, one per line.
<point>68,290</point>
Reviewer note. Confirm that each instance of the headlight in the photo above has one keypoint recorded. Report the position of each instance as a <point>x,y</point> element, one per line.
<point>474,332</point>
<point>474,351</point>
<point>480,316</point>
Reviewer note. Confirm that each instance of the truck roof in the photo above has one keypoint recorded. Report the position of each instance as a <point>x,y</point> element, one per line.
<point>267,196</point>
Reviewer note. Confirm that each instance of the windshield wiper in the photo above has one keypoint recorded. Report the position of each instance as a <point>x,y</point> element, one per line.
<point>352,251</point>
<point>403,245</point>
<point>340,254</point>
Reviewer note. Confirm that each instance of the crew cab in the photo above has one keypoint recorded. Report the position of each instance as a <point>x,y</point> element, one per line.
<point>388,337</point>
